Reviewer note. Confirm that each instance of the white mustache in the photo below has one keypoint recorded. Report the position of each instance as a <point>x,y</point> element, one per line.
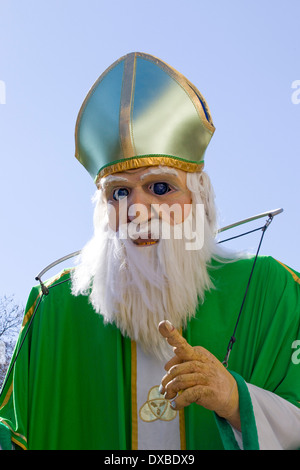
<point>151,229</point>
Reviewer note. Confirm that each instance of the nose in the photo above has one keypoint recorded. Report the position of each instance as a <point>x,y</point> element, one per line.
<point>139,206</point>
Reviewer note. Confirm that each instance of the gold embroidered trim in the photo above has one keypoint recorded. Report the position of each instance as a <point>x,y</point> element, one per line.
<point>138,162</point>
<point>134,418</point>
<point>182,429</point>
<point>25,321</point>
<point>295,277</point>
<point>47,284</point>
<point>20,444</point>
<point>15,434</point>
<point>30,312</point>
<point>7,397</point>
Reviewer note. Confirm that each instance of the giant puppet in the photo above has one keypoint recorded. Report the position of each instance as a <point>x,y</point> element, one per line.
<point>126,350</point>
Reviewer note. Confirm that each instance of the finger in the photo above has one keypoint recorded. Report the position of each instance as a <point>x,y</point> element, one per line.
<point>181,347</point>
<point>183,368</point>
<point>173,362</point>
<point>200,354</point>
<point>183,382</point>
<point>188,396</point>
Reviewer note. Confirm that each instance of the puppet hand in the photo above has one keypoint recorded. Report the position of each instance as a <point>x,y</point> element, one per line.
<point>199,377</point>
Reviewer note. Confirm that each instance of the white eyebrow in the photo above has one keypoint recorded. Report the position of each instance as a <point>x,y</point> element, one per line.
<point>110,178</point>
<point>158,171</point>
<point>154,171</point>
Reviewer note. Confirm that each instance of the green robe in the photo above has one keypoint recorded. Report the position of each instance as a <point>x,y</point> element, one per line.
<point>71,385</point>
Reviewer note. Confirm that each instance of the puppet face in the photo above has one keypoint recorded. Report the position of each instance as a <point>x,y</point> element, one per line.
<point>137,287</point>
<point>140,197</point>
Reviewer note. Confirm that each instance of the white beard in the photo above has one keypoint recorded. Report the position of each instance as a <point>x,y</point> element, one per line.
<point>137,287</point>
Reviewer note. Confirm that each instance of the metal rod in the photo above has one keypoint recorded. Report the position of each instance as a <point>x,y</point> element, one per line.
<point>250,219</point>
<point>58,261</point>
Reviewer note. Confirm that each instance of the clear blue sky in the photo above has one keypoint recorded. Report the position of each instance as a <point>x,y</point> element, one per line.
<point>243,56</point>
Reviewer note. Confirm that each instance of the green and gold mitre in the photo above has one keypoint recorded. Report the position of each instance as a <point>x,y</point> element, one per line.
<point>142,112</point>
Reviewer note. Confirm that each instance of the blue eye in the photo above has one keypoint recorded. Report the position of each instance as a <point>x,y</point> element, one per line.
<point>120,193</point>
<point>160,188</point>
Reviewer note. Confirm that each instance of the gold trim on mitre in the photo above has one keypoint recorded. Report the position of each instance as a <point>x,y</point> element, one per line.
<point>127,95</point>
<point>146,161</point>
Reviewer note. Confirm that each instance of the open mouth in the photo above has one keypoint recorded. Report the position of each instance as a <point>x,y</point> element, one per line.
<point>145,242</point>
